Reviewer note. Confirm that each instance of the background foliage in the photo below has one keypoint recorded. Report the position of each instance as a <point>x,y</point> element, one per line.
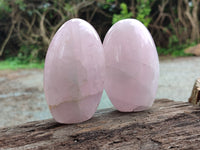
<point>27,26</point>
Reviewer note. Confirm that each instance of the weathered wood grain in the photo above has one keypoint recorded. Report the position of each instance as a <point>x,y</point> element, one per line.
<point>167,125</point>
<point>195,95</point>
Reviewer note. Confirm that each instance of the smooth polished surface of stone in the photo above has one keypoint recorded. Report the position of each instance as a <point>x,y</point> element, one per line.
<point>74,72</point>
<point>132,66</point>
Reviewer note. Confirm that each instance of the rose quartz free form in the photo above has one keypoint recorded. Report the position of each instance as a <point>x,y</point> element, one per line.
<point>74,72</point>
<point>132,66</point>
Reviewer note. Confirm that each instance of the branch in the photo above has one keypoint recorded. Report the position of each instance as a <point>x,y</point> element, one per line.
<point>92,15</point>
<point>7,39</point>
<point>14,17</point>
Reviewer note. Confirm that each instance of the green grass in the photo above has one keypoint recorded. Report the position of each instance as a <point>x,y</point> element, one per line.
<point>175,51</point>
<point>14,65</point>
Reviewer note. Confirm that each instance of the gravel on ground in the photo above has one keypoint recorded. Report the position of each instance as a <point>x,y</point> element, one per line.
<point>22,98</point>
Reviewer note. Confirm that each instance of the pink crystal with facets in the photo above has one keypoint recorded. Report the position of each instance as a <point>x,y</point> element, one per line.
<point>132,66</point>
<point>74,72</point>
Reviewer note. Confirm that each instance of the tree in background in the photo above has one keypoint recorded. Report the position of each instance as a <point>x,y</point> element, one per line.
<point>33,24</point>
<point>175,22</point>
<point>27,26</point>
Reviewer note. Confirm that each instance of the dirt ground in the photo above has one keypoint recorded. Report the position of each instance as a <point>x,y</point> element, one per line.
<point>22,98</point>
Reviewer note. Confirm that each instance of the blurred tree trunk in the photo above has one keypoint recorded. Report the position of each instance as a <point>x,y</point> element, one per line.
<point>179,18</point>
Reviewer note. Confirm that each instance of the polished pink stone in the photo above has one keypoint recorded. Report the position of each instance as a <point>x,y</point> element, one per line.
<point>74,72</point>
<point>132,66</point>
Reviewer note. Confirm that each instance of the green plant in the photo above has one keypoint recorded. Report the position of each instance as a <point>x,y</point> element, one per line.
<point>28,54</point>
<point>107,5</point>
<point>21,4</point>
<point>175,50</point>
<point>143,11</point>
<point>4,6</point>
<point>27,27</point>
<point>173,40</point>
<point>123,13</point>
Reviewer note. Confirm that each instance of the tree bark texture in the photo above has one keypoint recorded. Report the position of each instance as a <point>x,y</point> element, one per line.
<point>167,125</point>
<point>195,95</point>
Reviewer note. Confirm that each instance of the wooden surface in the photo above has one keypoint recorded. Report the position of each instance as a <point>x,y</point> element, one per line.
<point>195,95</point>
<point>167,125</point>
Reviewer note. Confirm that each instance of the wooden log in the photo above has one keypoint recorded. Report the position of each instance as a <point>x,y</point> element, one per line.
<point>195,95</point>
<point>167,125</point>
